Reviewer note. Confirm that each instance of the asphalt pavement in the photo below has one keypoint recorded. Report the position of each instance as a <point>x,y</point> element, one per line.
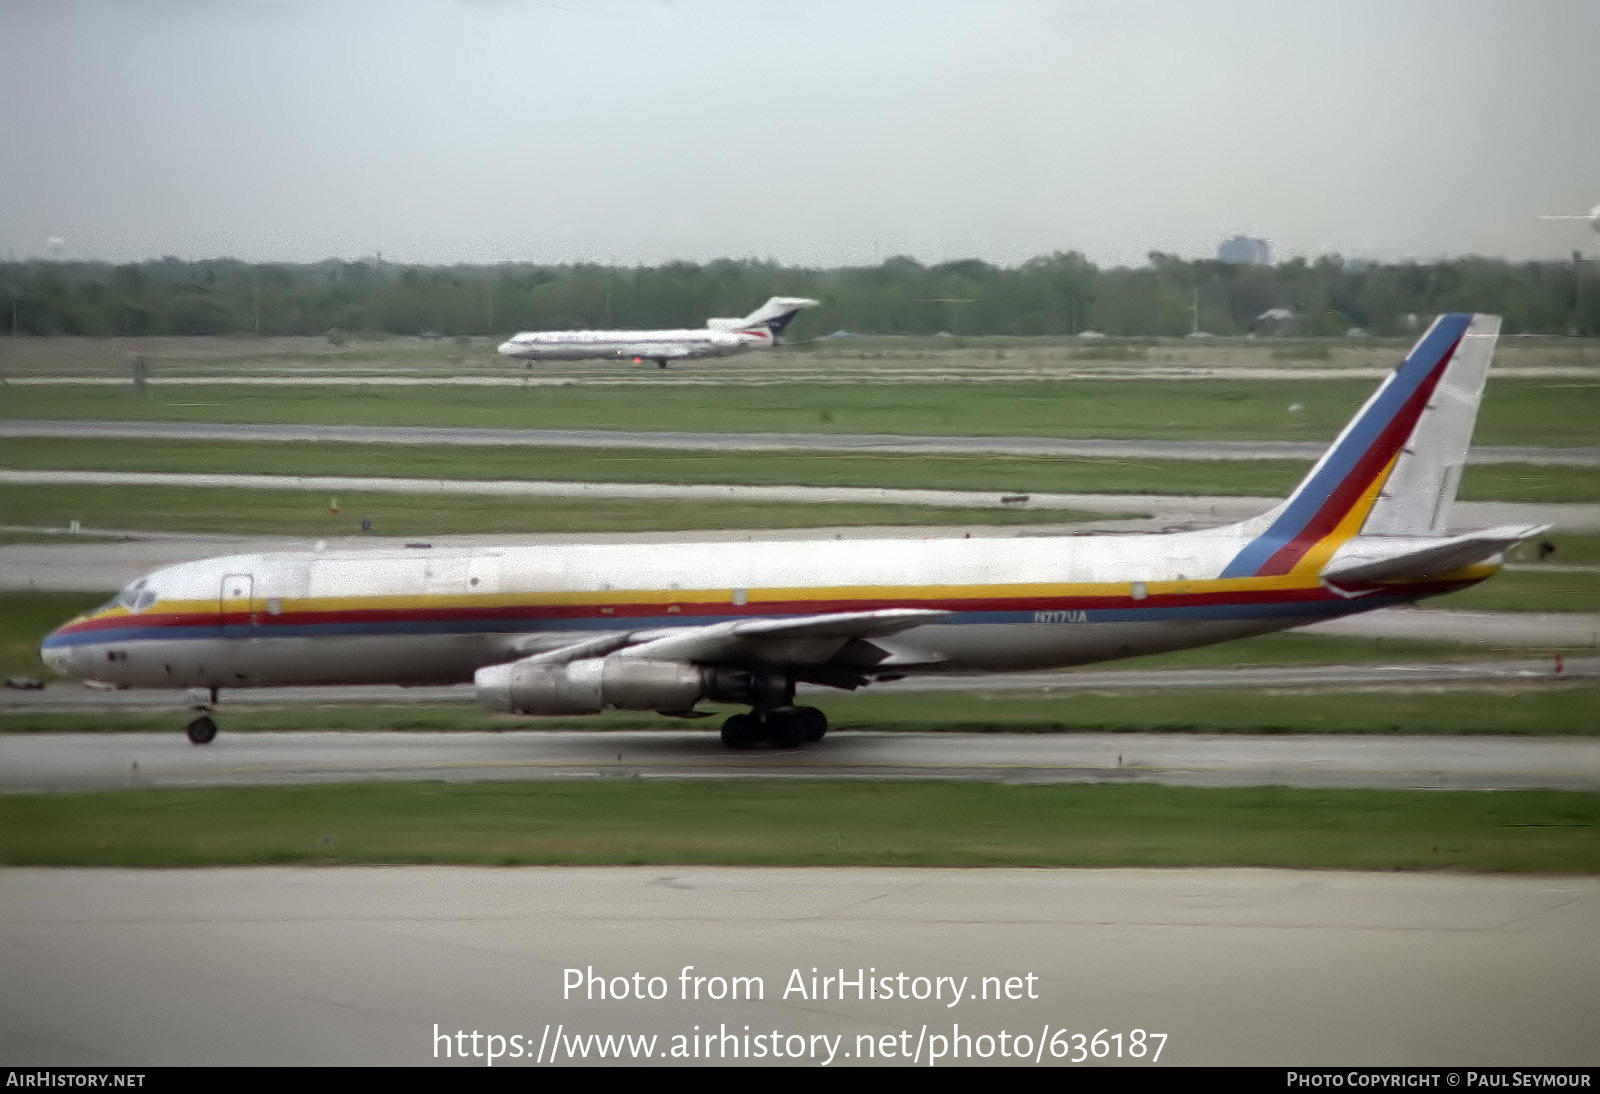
<point>747,442</point>
<point>88,761</point>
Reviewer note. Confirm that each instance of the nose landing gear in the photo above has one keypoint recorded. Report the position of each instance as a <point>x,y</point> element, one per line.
<point>202,730</point>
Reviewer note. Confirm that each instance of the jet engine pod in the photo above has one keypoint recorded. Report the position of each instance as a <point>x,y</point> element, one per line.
<point>589,686</point>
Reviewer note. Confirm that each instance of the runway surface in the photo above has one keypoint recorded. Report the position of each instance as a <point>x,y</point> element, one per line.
<point>961,499</point>
<point>364,966</point>
<point>1510,672</point>
<point>88,761</point>
<point>748,442</point>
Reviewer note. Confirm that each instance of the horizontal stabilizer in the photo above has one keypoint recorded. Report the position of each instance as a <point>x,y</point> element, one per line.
<point>1367,562</point>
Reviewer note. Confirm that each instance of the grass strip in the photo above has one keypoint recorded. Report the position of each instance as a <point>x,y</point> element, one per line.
<point>1514,411</point>
<point>789,823</point>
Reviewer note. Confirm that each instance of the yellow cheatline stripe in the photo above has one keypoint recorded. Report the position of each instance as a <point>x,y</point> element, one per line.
<point>601,598</point>
<point>1348,527</point>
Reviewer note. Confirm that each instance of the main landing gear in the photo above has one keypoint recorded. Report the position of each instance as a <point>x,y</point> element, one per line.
<point>779,727</point>
<point>202,730</point>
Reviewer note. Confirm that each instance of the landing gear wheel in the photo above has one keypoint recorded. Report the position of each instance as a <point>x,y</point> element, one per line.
<point>786,727</point>
<point>813,723</point>
<point>661,364</point>
<point>201,731</point>
<point>740,731</point>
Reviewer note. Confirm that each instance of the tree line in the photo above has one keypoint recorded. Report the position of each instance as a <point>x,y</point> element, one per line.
<point>1058,294</point>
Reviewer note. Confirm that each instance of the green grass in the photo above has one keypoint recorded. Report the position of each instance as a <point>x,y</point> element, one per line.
<point>1571,549</point>
<point>26,617</point>
<point>1001,474</point>
<point>808,824</point>
<point>1514,411</point>
<point>1542,711</point>
<point>1520,591</point>
<point>305,512</point>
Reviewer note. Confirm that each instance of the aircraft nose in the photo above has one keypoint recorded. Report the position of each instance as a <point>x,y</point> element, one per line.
<point>507,348</point>
<point>57,657</point>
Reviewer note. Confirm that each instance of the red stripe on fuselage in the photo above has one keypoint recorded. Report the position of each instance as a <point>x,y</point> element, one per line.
<point>546,613</point>
<point>1355,484</point>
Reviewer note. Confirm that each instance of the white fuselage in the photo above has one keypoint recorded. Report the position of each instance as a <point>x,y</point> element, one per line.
<point>645,345</point>
<point>436,615</point>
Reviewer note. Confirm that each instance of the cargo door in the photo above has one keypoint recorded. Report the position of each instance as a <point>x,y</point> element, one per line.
<point>236,606</point>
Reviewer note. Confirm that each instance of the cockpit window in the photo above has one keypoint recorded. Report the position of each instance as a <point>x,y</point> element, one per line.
<point>129,598</point>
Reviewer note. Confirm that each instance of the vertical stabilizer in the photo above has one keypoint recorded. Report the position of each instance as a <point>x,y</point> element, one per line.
<point>1394,469</point>
<point>1416,497</point>
<point>776,313</point>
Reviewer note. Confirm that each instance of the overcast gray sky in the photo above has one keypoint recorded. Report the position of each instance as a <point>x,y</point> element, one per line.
<point>812,132</point>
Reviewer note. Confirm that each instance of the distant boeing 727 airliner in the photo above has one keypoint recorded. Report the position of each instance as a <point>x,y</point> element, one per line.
<point>720,338</point>
<point>665,627</point>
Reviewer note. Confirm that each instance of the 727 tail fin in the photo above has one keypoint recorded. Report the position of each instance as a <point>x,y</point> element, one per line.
<point>1395,468</point>
<point>777,313</point>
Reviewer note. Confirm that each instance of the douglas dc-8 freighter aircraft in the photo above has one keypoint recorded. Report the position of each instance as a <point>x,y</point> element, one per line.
<point>577,630</point>
<point>720,338</point>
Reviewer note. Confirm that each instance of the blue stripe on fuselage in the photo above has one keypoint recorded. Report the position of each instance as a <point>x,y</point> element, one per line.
<point>1311,495</point>
<point>1309,609</point>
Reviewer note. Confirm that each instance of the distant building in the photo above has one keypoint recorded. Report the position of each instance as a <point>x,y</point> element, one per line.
<point>1245,251</point>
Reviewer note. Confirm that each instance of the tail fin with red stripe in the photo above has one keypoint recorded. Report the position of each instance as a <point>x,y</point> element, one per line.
<point>1395,468</point>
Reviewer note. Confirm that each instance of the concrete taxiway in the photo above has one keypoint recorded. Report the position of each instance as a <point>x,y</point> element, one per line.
<point>875,443</point>
<point>1521,673</point>
<point>88,761</point>
<point>1166,509</point>
<point>370,966</point>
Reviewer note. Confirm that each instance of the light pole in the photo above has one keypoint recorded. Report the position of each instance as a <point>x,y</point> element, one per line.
<point>1574,328</point>
<point>954,315</point>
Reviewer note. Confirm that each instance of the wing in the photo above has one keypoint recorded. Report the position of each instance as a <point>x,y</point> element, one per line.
<point>835,645</point>
<point>650,351</point>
